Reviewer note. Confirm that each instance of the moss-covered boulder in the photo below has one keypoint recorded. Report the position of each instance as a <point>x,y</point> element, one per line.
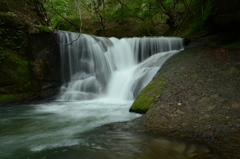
<point>148,95</point>
<point>29,55</point>
<point>30,63</point>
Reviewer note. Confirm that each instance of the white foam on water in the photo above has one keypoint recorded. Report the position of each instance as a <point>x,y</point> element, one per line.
<point>101,78</point>
<point>115,68</point>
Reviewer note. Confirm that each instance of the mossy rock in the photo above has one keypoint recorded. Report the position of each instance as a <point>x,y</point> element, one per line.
<point>44,28</point>
<point>148,95</point>
<point>14,97</point>
<point>6,97</point>
<point>14,66</point>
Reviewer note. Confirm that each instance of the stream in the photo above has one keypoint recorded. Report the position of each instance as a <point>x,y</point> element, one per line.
<point>70,130</point>
<point>101,78</point>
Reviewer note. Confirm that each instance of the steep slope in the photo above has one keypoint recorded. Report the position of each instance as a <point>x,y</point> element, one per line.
<point>198,98</point>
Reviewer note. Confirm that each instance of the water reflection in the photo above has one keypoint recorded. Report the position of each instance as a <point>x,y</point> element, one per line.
<point>102,144</point>
<point>70,130</point>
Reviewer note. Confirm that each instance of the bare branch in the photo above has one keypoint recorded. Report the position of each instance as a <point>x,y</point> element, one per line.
<point>78,28</point>
<point>63,16</point>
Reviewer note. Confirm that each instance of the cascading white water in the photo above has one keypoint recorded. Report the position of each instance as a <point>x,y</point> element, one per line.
<point>109,67</point>
<point>92,67</point>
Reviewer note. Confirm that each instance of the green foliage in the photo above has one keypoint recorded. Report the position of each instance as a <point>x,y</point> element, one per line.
<point>18,19</point>
<point>101,14</point>
<point>120,14</point>
<point>59,9</point>
<point>168,3</point>
<point>13,50</point>
<point>5,18</point>
<point>64,25</point>
<point>1,22</point>
<point>11,14</point>
<point>208,9</point>
<point>194,23</point>
<point>44,28</point>
<point>14,38</point>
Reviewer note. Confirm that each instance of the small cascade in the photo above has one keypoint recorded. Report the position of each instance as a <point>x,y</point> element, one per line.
<point>94,67</point>
<point>146,47</point>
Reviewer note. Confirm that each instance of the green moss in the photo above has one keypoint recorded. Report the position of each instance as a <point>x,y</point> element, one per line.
<point>9,97</point>
<point>63,25</point>
<point>148,95</point>
<point>16,78</point>
<point>44,28</point>
<point>6,97</point>
<point>6,18</point>
<point>234,45</point>
<point>14,68</point>
<point>209,9</point>
<point>13,54</point>
<point>228,40</point>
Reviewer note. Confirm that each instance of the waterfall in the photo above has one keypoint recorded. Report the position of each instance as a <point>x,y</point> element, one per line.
<point>94,67</point>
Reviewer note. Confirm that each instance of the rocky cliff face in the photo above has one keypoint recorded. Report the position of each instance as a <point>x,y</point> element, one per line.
<point>29,55</point>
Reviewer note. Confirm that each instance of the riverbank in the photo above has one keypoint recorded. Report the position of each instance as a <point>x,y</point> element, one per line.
<point>200,100</point>
<point>29,54</point>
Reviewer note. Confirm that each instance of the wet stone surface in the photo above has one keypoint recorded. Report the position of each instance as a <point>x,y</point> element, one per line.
<point>201,100</point>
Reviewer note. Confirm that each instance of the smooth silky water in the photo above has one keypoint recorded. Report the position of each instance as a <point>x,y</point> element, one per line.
<point>101,78</point>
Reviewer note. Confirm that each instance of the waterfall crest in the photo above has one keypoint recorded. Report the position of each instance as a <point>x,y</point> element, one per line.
<point>94,67</point>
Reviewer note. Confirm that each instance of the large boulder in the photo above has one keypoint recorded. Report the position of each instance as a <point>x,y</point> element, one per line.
<point>199,98</point>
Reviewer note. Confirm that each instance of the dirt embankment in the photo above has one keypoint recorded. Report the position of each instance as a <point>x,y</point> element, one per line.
<point>200,100</point>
